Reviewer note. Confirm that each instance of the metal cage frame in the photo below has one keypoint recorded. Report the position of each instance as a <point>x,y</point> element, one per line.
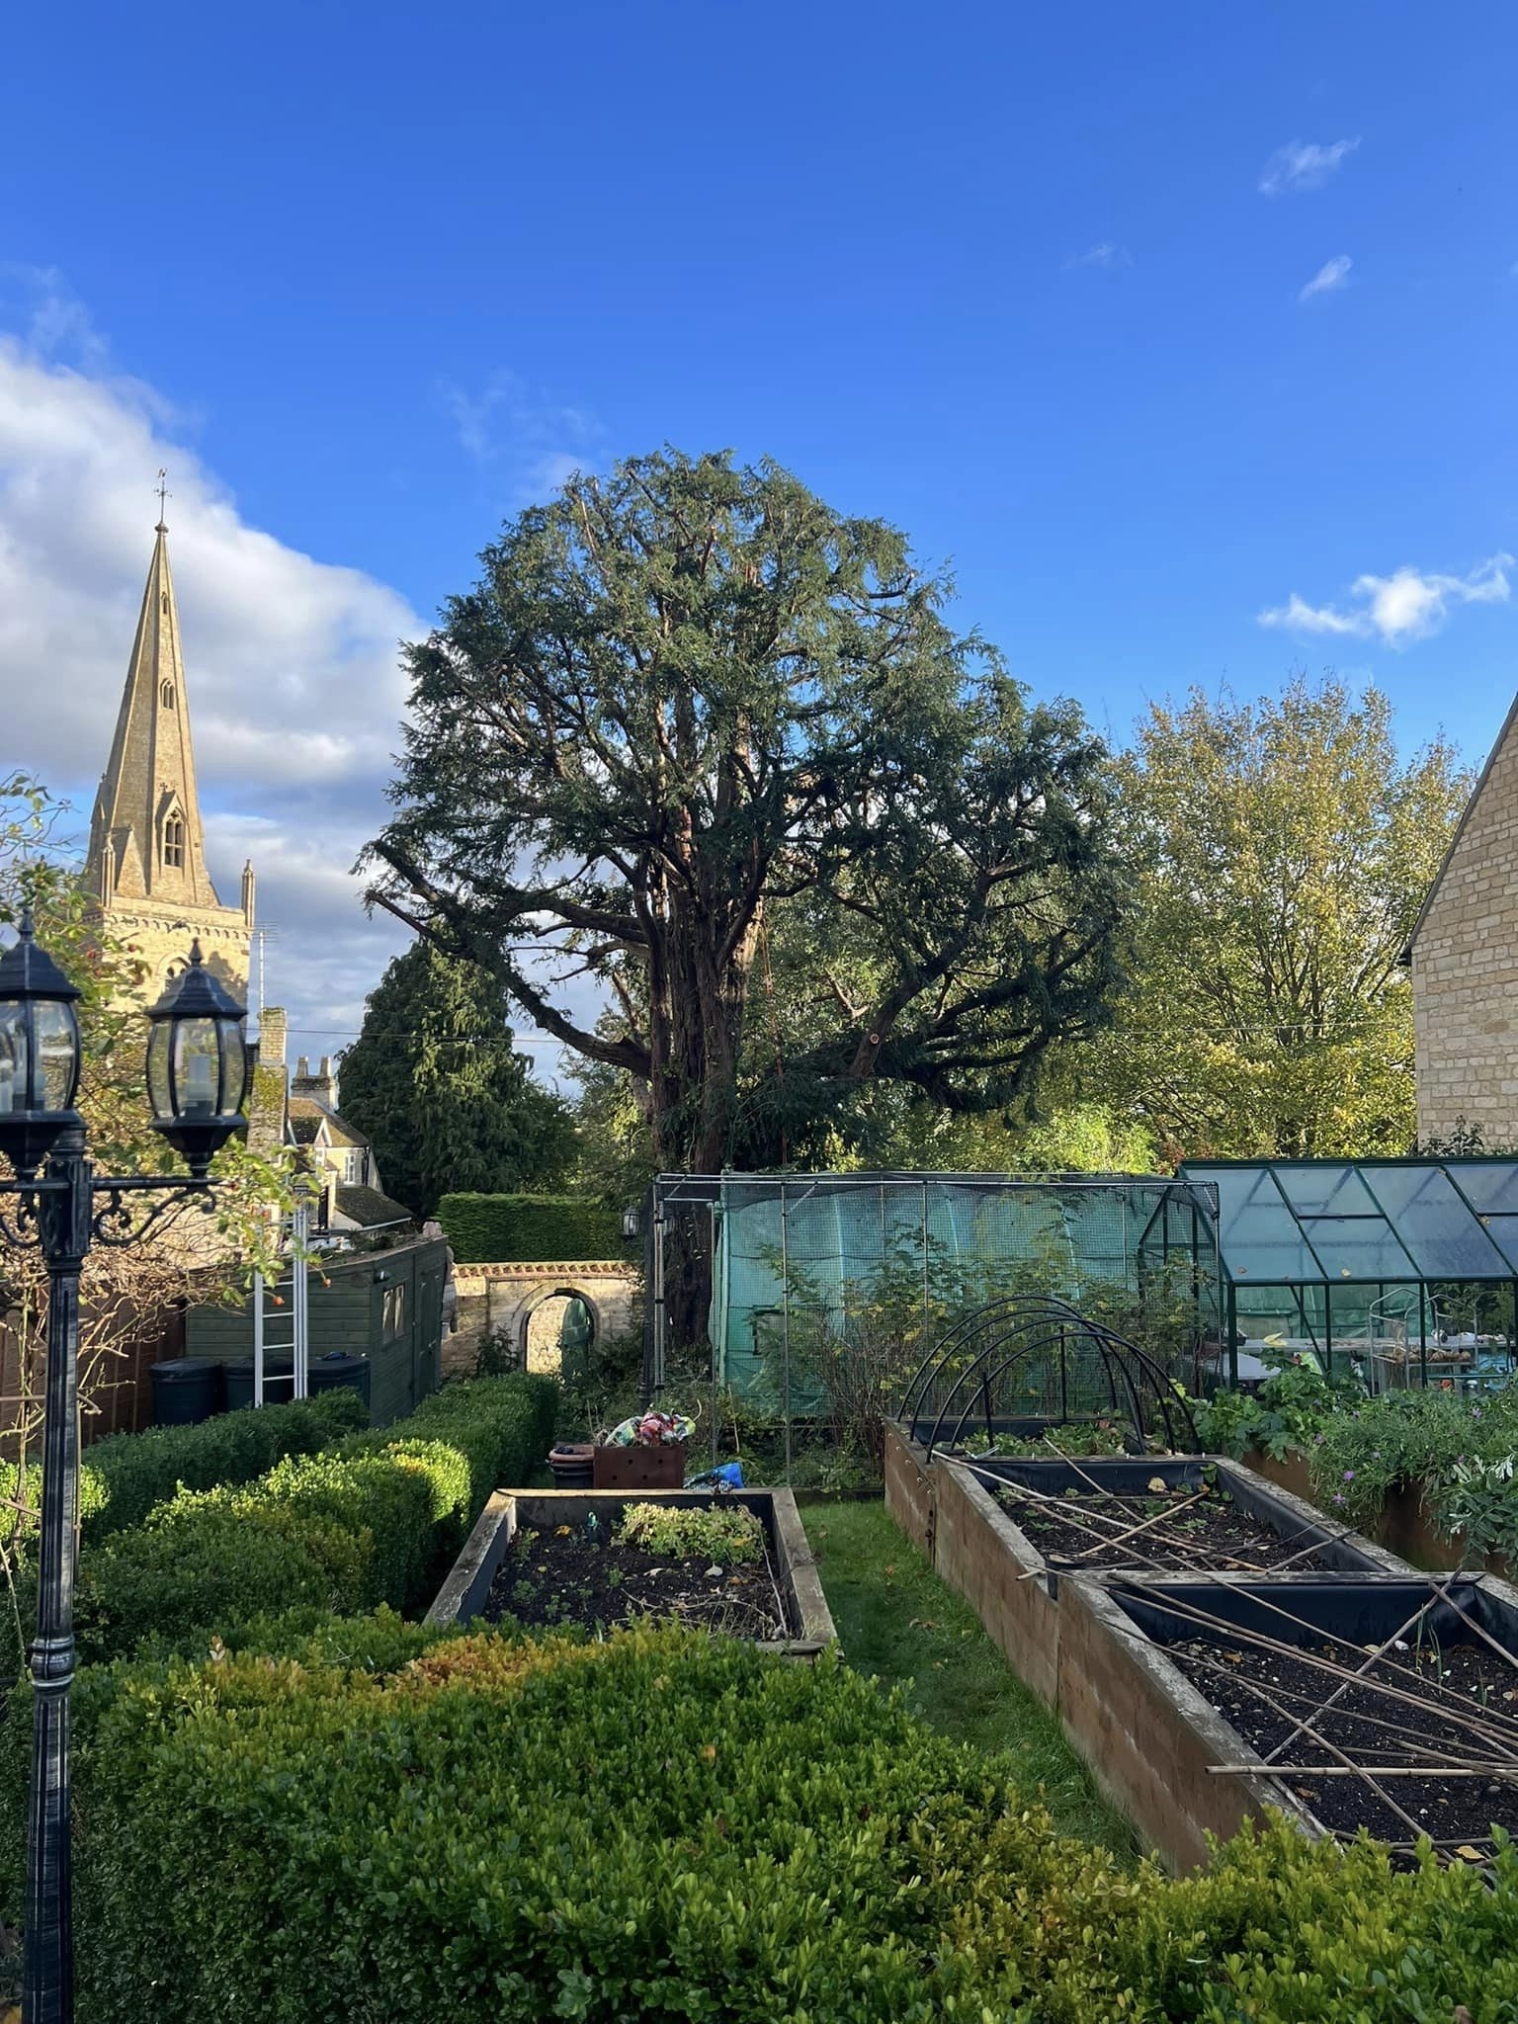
<point>969,1368</point>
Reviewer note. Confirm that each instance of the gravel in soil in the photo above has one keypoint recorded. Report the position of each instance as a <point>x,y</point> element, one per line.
<point>1458,1685</point>
<point>574,1576</point>
<point>1211,1533</point>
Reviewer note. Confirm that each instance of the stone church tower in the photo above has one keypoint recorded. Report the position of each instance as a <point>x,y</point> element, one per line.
<point>146,868</point>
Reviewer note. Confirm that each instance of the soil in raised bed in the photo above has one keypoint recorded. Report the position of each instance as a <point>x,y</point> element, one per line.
<point>577,1576</point>
<point>1452,1680</point>
<point>1212,1534</point>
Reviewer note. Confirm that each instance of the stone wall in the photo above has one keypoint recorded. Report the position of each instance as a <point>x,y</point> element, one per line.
<point>507,1297</point>
<point>1465,968</point>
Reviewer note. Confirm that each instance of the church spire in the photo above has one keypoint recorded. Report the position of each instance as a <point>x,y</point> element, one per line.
<point>146,841</point>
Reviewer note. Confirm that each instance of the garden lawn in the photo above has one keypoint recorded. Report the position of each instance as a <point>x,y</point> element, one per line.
<point>900,1624</point>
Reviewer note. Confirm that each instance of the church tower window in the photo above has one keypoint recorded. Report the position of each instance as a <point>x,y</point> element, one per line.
<point>173,840</point>
<point>166,695</point>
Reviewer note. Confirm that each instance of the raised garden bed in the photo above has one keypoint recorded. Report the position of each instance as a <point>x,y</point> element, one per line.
<point>591,1575</point>
<point>535,1557</point>
<point>1344,1703</point>
<point>979,1544</point>
<point>1187,1513</point>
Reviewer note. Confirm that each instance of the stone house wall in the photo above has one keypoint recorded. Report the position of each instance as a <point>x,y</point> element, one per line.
<point>1465,966</point>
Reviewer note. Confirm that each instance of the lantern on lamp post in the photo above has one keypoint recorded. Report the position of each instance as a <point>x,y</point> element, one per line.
<point>197,1082</point>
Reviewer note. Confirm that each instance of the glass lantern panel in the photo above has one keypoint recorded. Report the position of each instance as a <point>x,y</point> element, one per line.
<point>14,1057</point>
<point>57,1038</point>
<point>160,1095</point>
<point>197,1067</point>
<point>234,1065</point>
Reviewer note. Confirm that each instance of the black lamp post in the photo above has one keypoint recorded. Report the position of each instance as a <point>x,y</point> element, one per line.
<point>197,1080</point>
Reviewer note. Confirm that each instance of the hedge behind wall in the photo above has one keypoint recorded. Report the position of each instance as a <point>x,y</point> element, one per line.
<point>526,1229</point>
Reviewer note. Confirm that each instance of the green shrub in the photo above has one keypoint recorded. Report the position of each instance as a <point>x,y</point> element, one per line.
<point>1428,1441</point>
<point>506,1229</point>
<point>130,1473</point>
<point>372,1521</point>
<point>725,1535</point>
<point>1289,1409</point>
<point>502,1426</point>
<point>386,1826</point>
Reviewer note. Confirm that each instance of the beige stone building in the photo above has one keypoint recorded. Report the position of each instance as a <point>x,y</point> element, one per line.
<point>1464,954</point>
<point>146,868</point>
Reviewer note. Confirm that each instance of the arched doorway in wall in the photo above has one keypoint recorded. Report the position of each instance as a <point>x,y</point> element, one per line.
<point>559,1323</point>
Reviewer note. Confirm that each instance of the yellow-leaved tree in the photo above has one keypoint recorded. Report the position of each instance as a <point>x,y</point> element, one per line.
<point>1284,847</point>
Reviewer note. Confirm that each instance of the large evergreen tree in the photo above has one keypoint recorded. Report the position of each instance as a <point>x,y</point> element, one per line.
<point>687,701</point>
<point>435,1081</point>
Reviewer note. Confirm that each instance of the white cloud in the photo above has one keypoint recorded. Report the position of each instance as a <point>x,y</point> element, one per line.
<point>1105,253</point>
<point>506,425</point>
<point>1330,277</point>
<point>1303,165</point>
<point>1406,606</point>
<point>292,665</point>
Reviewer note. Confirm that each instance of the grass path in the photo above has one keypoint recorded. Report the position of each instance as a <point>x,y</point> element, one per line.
<point>899,1623</point>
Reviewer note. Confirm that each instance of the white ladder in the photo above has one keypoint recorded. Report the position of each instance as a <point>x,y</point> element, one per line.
<point>269,1306</point>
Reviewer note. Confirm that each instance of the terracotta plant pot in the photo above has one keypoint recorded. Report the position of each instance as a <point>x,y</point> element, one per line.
<point>573,1465</point>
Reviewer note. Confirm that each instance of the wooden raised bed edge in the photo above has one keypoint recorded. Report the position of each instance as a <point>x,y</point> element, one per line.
<point>462,1595</point>
<point>1149,1735</point>
<point>1404,1524</point>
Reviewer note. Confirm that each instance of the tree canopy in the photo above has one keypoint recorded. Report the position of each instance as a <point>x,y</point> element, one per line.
<point>688,711</point>
<point>1285,848</point>
<point>435,1081</point>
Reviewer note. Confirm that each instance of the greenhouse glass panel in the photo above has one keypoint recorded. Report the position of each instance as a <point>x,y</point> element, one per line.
<point>1354,1249</point>
<point>1503,1231</point>
<point>1491,1188</point>
<point>1445,1239</point>
<point>1261,1239</point>
<point>1324,1190</point>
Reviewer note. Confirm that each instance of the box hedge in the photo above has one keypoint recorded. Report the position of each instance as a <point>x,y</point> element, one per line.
<point>527,1229</point>
<point>373,1520</point>
<point>136,1471</point>
<point>387,1825</point>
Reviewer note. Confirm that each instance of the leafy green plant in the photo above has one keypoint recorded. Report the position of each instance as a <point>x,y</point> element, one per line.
<point>502,1229</point>
<point>1479,1504</point>
<point>1075,1437</point>
<point>1287,1413</point>
<point>827,1857</point>
<point>135,1472</point>
<point>724,1534</point>
<point>497,1353</point>
<point>1446,1444</point>
<point>370,1521</point>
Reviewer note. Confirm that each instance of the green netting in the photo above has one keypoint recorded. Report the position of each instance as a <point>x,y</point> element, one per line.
<point>790,1255</point>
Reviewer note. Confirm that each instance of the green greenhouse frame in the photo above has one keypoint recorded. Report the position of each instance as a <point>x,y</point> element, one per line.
<point>1406,1268</point>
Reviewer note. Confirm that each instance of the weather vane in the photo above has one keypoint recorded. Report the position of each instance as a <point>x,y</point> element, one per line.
<point>163,491</point>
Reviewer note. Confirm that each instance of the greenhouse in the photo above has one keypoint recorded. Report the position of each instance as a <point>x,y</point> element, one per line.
<point>1402,1270</point>
<point>795,1255</point>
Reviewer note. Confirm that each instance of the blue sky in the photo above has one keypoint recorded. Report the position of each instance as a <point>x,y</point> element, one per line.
<point>1029,283</point>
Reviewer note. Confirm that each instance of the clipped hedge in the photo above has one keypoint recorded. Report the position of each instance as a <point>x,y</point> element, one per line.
<point>130,1473</point>
<point>388,1826</point>
<point>372,1521</point>
<point>523,1229</point>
